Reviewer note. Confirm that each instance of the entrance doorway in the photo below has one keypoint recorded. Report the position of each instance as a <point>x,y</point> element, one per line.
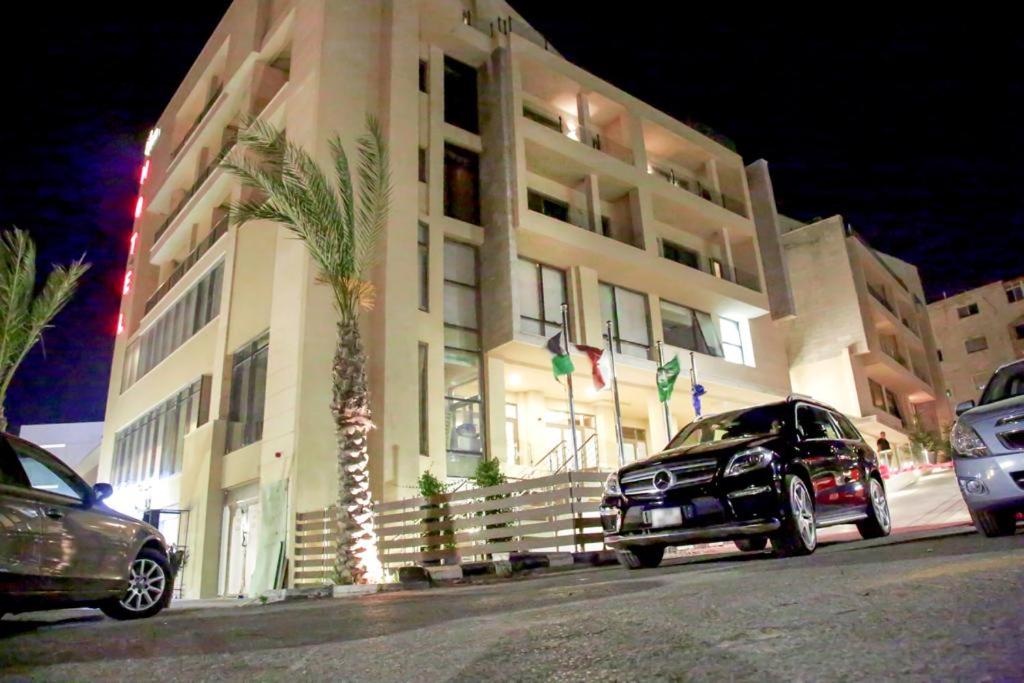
<point>239,540</point>
<point>559,436</point>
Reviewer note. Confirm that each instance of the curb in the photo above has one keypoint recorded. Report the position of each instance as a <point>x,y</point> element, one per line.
<point>517,564</point>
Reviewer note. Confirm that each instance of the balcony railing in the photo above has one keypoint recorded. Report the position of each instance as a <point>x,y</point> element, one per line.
<point>722,271</point>
<point>663,170</point>
<point>204,246</point>
<point>203,175</point>
<point>199,119</point>
<point>593,138</point>
<point>881,298</point>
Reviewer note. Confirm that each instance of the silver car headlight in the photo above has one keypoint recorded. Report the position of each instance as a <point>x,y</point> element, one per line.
<point>750,459</point>
<point>966,442</point>
<point>611,485</point>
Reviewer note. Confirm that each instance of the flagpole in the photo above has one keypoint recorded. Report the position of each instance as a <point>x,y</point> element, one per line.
<point>615,394</point>
<point>572,408</point>
<point>664,404</point>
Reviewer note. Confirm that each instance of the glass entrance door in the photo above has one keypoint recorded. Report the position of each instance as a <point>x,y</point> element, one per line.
<point>558,434</point>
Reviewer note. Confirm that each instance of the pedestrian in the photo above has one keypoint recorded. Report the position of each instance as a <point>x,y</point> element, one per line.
<point>883,443</point>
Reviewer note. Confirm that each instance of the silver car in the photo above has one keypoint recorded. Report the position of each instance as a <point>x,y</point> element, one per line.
<point>988,452</point>
<point>60,546</point>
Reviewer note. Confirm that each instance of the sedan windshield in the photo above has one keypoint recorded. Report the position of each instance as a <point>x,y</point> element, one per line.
<point>1006,383</point>
<point>739,424</point>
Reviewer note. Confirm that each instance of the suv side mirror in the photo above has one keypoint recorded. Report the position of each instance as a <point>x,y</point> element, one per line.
<point>101,492</point>
<point>962,408</point>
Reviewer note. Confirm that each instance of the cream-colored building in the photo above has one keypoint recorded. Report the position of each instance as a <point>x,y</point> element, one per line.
<point>976,332</point>
<point>520,182</point>
<point>861,338</point>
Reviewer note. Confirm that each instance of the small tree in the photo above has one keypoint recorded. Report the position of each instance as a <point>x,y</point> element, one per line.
<point>488,473</point>
<point>24,312</point>
<point>431,487</point>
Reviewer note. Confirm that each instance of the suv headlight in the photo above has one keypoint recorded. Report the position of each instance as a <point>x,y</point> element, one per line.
<point>750,459</point>
<point>611,485</point>
<point>966,442</point>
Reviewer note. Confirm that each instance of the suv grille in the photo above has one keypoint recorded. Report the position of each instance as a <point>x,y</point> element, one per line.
<point>692,473</point>
<point>1014,440</point>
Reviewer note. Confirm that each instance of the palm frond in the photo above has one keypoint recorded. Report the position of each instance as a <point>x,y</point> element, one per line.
<point>374,194</point>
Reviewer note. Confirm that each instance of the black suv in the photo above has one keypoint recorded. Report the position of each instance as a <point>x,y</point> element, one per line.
<point>774,472</point>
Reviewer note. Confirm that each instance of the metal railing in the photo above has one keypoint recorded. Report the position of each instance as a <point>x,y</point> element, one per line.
<point>218,231</point>
<point>664,170</point>
<point>199,119</point>
<point>592,137</point>
<point>881,298</point>
<point>194,189</point>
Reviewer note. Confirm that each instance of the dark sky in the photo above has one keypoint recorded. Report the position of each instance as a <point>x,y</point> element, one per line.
<point>907,126</point>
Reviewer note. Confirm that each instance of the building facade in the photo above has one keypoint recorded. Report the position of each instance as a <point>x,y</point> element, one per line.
<point>977,331</point>
<point>521,183</point>
<point>861,338</point>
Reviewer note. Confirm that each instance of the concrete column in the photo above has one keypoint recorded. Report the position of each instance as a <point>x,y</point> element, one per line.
<point>583,114</point>
<point>592,192</point>
<point>202,497</point>
<point>494,409</point>
<point>607,448</point>
<point>775,275</point>
<point>585,305</point>
<point>636,141</point>
<point>641,210</point>
<point>727,251</point>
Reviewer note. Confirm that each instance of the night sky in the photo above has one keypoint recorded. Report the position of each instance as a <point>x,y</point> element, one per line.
<point>907,126</point>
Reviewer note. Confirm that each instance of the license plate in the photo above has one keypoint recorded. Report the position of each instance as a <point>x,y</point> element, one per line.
<point>661,517</point>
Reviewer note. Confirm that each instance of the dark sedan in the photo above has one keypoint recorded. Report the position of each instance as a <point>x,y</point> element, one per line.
<point>60,546</point>
<point>776,472</point>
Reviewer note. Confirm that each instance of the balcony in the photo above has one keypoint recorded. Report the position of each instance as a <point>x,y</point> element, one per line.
<point>715,268</point>
<point>200,250</point>
<point>197,185</point>
<point>676,177</point>
<point>591,137</point>
<point>199,119</point>
<point>881,298</point>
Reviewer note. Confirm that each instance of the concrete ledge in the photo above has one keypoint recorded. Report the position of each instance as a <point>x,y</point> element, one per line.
<point>560,560</point>
<point>446,572</point>
<point>355,589</point>
<point>595,558</point>
<point>291,594</point>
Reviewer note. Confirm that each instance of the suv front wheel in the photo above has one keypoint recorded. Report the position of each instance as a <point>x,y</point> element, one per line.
<point>641,557</point>
<point>995,523</point>
<point>150,581</point>
<point>799,533</point>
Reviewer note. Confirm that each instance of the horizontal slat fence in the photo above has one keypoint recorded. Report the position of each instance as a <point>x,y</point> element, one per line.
<point>554,513</point>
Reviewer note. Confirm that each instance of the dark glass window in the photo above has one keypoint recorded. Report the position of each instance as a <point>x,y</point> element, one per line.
<point>690,329</point>
<point>460,95</point>
<point>967,311</point>
<point>423,248</point>
<point>461,184</point>
<point>542,292</point>
<point>680,254</point>
<point>631,328</point>
<point>424,400</point>
<point>248,393</point>
<point>548,206</point>
<point>422,158</point>
<point>424,76</point>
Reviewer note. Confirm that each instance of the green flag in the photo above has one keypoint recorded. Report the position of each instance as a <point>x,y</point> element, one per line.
<point>666,378</point>
<point>561,363</point>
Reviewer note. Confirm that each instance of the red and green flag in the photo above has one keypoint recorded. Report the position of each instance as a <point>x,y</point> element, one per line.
<point>561,363</point>
<point>599,367</point>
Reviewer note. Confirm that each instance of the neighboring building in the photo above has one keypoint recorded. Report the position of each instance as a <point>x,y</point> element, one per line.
<point>77,444</point>
<point>861,338</point>
<point>977,331</point>
<point>520,182</point>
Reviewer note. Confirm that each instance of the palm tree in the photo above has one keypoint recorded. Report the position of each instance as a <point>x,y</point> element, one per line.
<point>340,227</point>
<point>24,312</point>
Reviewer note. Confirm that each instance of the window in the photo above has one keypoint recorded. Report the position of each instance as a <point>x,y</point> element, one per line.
<point>967,311</point>
<point>464,405</point>
<point>461,184</point>
<point>938,352</point>
<point>877,395</point>
<point>422,159</point>
<point>424,76</point>
<point>814,423</point>
<point>846,427</point>
<point>549,206</point>
<point>634,444</point>
<point>1018,330</point>
<point>189,314</point>
<point>47,474</point>
<point>154,444</point>
<point>541,295</point>
<point>680,254</point>
<point>631,329</point>
<point>690,329</point>
<point>248,393</point>
<point>975,344</point>
<point>1015,292</point>
<point>424,401</point>
<point>423,249</point>
<point>893,406</point>
<point>460,97</point>
<point>732,341</point>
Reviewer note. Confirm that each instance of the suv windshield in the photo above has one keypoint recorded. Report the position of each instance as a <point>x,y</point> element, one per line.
<point>739,424</point>
<point>1006,383</point>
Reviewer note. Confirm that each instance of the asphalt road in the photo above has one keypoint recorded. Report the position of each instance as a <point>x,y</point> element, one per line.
<point>936,605</point>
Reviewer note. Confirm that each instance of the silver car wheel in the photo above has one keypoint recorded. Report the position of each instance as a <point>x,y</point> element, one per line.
<point>147,581</point>
<point>880,505</point>
<point>803,512</point>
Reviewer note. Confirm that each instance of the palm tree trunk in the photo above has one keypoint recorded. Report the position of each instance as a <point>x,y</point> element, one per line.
<point>356,552</point>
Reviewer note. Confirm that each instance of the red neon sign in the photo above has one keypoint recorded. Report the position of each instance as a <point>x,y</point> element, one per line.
<point>120,323</point>
<point>127,282</point>
<point>144,173</point>
<point>138,206</point>
<point>131,243</point>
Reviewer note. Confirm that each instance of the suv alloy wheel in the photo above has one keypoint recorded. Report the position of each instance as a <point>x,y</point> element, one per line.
<point>879,520</point>
<point>799,532</point>
<point>995,523</point>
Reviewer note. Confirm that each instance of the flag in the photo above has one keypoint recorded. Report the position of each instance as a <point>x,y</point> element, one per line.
<point>599,366</point>
<point>666,378</point>
<point>697,391</point>
<point>561,364</point>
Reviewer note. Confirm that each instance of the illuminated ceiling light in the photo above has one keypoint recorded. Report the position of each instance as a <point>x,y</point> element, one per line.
<point>138,206</point>
<point>151,139</point>
<point>120,323</point>
<point>127,282</point>
<point>515,379</point>
<point>131,243</point>
<point>144,173</point>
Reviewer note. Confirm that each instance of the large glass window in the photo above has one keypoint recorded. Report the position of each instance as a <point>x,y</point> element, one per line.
<point>248,393</point>
<point>541,295</point>
<point>189,314</point>
<point>680,254</point>
<point>460,95</point>
<point>153,445</point>
<point>461,184</point>
<point>814,423</point>
<point>967,310</point>
<point>631,329</point>
<point>424,400</point>
<point>689,329</point>
<point>464,425</point>
<point>423,249</point>
<point>975,344</point>
<point>732,341</point>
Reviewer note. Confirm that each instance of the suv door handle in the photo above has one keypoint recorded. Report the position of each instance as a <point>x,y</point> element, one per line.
<point>53,513</point>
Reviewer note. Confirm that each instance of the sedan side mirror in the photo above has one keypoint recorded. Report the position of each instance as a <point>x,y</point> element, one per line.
<point>962,408</point>
<point>101,492</point>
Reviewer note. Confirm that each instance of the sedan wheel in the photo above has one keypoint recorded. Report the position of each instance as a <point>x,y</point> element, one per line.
<point>149,584</point>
